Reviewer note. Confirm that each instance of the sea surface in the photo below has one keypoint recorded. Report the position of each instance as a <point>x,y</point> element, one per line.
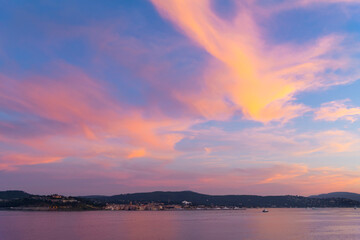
<point>277,224</point>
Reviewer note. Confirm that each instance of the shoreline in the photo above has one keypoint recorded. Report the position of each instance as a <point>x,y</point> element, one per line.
<point>43,209</point>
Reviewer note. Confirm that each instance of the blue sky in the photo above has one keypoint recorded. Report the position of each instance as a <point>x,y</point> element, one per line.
<point>250,97</point>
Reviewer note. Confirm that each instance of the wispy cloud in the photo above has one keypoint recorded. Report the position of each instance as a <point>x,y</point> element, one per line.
<point>87,121</point>
<point>259,78</point>
<point>336,110</point>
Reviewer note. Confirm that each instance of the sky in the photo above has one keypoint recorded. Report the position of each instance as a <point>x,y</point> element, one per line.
<point>215,96</point>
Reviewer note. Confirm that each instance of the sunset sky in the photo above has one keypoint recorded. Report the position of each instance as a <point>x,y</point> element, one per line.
<point>215,96</point>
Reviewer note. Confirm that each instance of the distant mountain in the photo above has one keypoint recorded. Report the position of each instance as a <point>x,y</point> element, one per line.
<point>21,199</point>
<point>225,200</point>
<point>347,195</point>
<point>158,196</point>
<point>13,194</point>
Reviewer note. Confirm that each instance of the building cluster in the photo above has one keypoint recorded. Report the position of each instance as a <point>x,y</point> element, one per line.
<point>148,206</point>
<point>161,206</point>
<point>142,207</point>
<point>55,198</point>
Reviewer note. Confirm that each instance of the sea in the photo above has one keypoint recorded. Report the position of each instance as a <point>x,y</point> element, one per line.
<point>277,224</point>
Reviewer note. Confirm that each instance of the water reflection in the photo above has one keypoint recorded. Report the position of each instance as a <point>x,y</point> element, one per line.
<point>149,225</point>
<point>322,224</point>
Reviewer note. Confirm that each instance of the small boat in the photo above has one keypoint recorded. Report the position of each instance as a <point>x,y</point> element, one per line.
<point>265,210</point>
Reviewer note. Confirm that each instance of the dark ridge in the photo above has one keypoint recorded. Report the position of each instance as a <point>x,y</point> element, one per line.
<point>13,194</point>
<point>20,199</point>
<point>347,195</point>
<point>225,200</point>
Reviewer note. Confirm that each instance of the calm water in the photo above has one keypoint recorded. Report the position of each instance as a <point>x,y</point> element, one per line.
<point>249,224</point>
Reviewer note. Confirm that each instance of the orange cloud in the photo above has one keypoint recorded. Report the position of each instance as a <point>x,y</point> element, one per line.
<point>254,76</point>
<point>10,161</point>
<point>137,153</point>
<point>336,110</point>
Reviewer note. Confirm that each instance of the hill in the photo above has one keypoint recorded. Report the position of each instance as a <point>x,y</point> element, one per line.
<point>347,195</point>
<point>13,194</point>
<point>20,199</point>
<point>225,200</point>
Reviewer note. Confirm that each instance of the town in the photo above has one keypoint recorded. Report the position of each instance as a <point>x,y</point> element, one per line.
<point>161,206</point>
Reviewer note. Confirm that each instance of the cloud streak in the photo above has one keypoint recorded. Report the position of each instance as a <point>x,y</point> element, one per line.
<point>259,78</point>
<point>90,122</point>
<point>336,110</point>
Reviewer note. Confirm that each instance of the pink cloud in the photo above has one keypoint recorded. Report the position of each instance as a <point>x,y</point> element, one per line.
<point>288,5</point>
<point>92,122</point>
<point>269,143</point>
<point>306,2</point>
<point>336,110</point>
